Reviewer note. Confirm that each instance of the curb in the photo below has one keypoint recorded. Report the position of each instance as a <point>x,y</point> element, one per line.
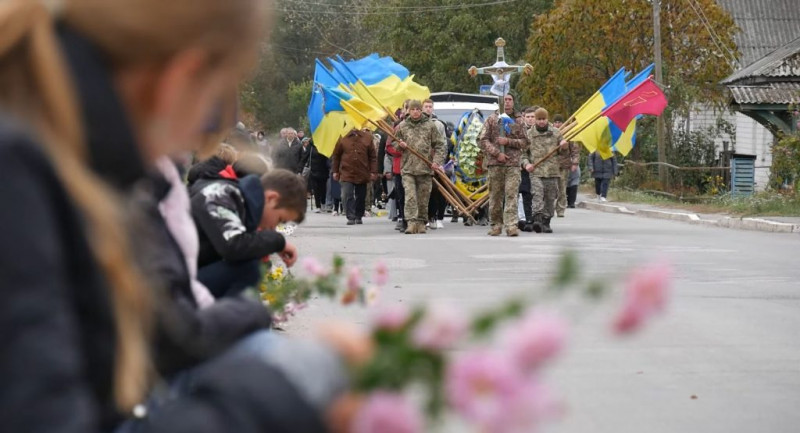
<point>753,224</point>
<point>605,208</point>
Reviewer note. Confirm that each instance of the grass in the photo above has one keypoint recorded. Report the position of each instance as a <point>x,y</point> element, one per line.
<point>766,203</point>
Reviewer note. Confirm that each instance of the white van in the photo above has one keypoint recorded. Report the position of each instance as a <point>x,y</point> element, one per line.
<point>450,106</point>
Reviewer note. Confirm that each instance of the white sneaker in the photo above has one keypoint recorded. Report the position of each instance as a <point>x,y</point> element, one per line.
<point>439,224</point>
<point>335,213</point>
<point>317,210</point>
<point>603,199</point>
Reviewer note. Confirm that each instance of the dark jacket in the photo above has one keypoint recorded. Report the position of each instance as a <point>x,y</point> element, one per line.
<point>320,164</point>
<point>56,319</point>
<point>227,213</point>
<point>207,169</point>
<point>287,156</point>
<point>355,158</point>
<point>602,168</point>
<point>188,335</point>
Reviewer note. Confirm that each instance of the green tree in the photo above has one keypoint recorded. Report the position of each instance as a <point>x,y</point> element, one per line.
<point>579,44</point>
<point>439,43</point>
<point>301,31</point>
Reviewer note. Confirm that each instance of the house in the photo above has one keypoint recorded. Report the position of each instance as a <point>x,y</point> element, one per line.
<point>766,26</point>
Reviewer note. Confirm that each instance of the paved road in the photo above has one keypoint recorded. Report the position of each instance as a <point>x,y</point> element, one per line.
<point>731,337</point>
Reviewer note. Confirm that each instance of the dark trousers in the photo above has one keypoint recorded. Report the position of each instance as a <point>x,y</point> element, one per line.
<point>436,205</point>
<point>572,195</point>
<point>527,205</point>
<point>354,196</point>
<point>318,186</point>
<point>601,187</point>
<point>400,196</point>
<point>230,278</point>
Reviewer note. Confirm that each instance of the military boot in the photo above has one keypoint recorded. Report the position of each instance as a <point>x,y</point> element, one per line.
<point>538,223</point>
<point>421,228</point>
<point>546,226</point>
<point>512,231</point>
<point>411,228</point>
<point>495,231</point>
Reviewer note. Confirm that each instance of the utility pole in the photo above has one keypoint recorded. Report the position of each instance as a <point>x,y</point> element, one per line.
<point>662,153</point>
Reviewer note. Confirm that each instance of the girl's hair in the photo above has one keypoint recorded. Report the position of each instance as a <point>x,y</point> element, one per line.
<point>35,87</point>
<point>227,153</point>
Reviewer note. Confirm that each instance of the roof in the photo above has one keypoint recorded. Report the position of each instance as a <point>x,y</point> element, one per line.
<point>770,93</point>
<point>783,62</point>
<point>765,25</point>
<point>463,97</point>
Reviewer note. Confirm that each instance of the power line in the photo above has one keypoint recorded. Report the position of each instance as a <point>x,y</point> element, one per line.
<point>386,10</point>
<point>698,10</point>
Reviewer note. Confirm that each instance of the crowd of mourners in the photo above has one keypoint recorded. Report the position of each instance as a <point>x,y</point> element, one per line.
<point>370,171</point>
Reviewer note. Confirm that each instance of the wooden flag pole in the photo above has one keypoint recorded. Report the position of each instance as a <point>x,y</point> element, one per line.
<point>443,189</point>
<point>569,137</point>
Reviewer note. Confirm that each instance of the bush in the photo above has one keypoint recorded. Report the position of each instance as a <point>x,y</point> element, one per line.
<point>785,171</point>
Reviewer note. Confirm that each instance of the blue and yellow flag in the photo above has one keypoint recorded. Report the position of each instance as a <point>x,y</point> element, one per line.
<point>597,136</point>
<point>625,140</point>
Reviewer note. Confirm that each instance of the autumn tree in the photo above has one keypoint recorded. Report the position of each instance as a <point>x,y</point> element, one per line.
<point>579,44</point>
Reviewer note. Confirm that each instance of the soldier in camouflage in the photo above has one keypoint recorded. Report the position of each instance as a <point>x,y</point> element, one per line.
<point>419,133</point>
<point>503,141</point>
<point>543,138</point>
<point>568,162</point>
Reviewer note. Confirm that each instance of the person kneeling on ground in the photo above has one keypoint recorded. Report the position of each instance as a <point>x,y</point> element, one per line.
<point>236,220</point>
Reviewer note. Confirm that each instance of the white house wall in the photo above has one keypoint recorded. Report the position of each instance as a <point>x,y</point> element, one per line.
<point>751,139</point>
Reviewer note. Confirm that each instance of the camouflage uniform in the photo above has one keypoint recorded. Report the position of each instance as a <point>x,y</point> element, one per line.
<point>422,136</point>
<point>566,159</point>
<point>544,180</point>
<point>504,177</point>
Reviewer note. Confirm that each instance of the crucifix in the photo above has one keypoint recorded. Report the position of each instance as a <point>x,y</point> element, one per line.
<point>501,71</point>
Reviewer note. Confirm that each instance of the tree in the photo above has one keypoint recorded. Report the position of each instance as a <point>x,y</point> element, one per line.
<point>439,41</point>
<point>301,31</point>
<point>579,44</point>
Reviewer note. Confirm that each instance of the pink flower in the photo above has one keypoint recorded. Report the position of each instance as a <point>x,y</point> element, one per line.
<point>532,405</point>
<point>354,280</point>
<point>537,338</point>
<point>645,294</point>
<point>279,318</point>
<point>440,328</point>
<point>314,267</point>
<point>487,389</point>
<point>481,385</point>
<point>391,318</point>
<point>290,309</point>
<point>381,273</point>
<point>385,412</point>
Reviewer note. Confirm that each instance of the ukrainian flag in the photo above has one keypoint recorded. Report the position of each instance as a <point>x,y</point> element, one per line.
<point>361,113</point>
<point>597,136</point>
<point>625,140</point>
<point>379,80</point>
<point>326,128</point>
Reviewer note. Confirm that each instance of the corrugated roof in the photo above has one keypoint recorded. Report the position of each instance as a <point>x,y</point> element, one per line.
<point>766,25</point>
<point>771,93</point>
<point>781,63</point>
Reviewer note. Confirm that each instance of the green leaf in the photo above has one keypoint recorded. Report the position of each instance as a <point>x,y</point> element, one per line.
<point>566,270</point>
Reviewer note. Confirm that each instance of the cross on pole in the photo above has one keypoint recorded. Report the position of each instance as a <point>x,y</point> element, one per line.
<point>501,71</point>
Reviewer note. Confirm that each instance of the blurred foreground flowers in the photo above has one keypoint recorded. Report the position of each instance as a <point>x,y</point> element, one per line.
<point>496,383</point>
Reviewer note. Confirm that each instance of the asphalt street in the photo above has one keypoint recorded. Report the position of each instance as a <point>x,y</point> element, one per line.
<point>724,358</point>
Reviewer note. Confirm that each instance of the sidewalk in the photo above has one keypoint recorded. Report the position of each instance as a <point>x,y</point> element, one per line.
<point>764,224</point>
